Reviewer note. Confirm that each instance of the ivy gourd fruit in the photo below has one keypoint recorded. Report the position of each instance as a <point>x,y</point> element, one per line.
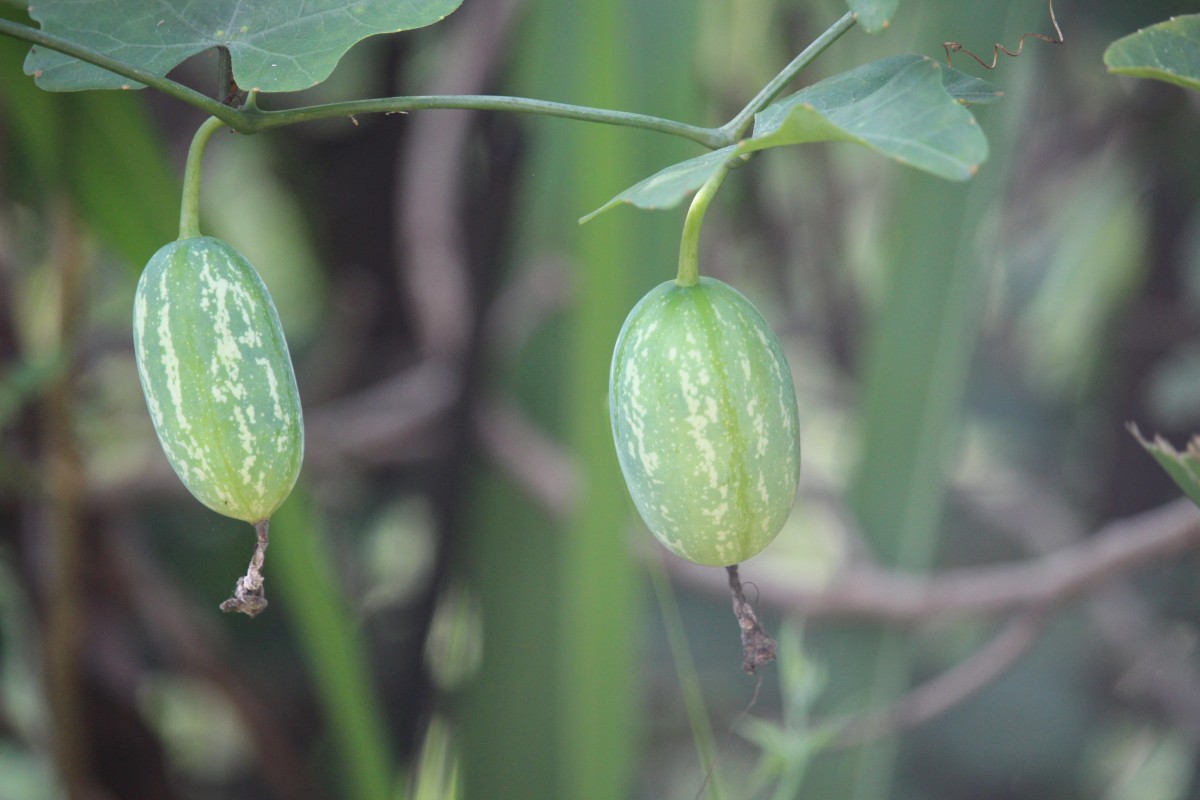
<point>217,377</point>
<point>704,418</point>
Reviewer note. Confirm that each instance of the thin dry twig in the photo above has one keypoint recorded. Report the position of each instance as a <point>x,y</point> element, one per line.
<point>997,49</point>
<point>945,691</point>
<point>249,597</point>
<point>528,455</point>
<point>1155,669</point>
<point>758,648</point>
<point>430,238</point>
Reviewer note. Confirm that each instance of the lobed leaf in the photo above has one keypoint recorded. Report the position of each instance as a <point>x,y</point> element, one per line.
<point>909,108</point>
<point>1168,51</point>
<point>1184,468</point>
<point>274,47</point>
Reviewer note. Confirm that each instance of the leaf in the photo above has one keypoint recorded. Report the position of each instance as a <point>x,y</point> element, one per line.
<point>665,188</point>
<point>898,106</point>
<point>873,15</point>
<point>275,47</point>
<point>1184,468</point>
<point>968,89</point>
<point>908,108</point>
<point>1168,51</point>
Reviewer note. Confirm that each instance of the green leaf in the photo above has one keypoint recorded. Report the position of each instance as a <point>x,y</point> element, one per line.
<point>873,15</point>
<point>1184,468</point>
<point>898,106</point>
<point>275,47</point>
<point>909,108</point>
<point>1168,51</point>
<point>665,188</point>
<point>120,174</point>
<point>968,89</point>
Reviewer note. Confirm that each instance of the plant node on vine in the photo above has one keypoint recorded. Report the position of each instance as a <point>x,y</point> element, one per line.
<point>955,47</point>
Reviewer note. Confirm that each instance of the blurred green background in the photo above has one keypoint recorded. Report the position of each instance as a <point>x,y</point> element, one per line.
<point>461,599</point>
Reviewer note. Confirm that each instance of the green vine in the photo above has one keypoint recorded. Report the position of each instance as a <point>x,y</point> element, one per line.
<point>733,130</point>
<point>265,120</point>
<point>253,120</point>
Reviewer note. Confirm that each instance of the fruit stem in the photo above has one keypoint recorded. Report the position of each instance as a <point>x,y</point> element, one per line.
<point>189,209</point>
<point>689,244</point>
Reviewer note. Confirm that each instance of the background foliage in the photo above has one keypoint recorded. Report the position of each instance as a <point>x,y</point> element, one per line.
<point>462,550</point>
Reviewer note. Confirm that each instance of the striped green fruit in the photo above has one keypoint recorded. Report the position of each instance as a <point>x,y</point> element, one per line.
<point>704,418</point>
<point>217,377</point>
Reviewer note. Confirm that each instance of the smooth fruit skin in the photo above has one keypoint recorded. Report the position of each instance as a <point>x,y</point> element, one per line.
<point>217,377</point>
<point>704,419</point>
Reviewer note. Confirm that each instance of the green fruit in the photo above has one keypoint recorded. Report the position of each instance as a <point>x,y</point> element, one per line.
<point>704,418</point>
<point>217,377</point>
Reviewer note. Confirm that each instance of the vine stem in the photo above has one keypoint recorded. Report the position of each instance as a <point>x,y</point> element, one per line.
<point>265,120</point>
<point>734,129</point>
<point>189,207</point>
<point>689,243</point>
<point>253,120</point>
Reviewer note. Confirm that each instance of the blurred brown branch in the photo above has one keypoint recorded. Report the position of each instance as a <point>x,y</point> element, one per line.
<point>64,620</point>
<point>943,692</point>
<point>868,591</point>
<point>1154,667</point>
<point>1069,564</point>
<point>430,241</point>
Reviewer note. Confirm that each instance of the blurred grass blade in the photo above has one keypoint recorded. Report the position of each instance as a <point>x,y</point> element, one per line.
<point>306,590</point>
<point>1168,51</point>
<point>22,381</point>
<point>120,175</point>
<point>689,680</point>
<point>103,147</point>
<point>436,775</point>
<point>916,364</point>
